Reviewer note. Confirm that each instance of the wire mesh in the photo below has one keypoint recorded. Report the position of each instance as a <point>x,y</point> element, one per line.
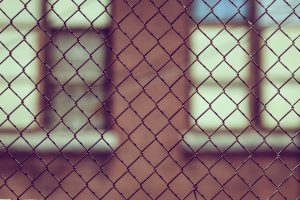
<point>147,99</point>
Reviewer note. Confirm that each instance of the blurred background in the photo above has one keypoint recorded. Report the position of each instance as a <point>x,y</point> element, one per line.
<point>149,99</point>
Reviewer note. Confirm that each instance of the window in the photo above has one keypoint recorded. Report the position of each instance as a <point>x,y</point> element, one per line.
<point>77,78</point>
<point>280,39</point>
<point>75,55</point>
<point>19,66</point>
<point>245,65</point>
<point>221,97</point>
<point>52,72</point>
<point>244,71</point>
<point>76,66</point>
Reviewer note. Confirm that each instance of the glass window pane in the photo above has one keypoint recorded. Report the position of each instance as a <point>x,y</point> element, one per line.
<point>224,10</point>
<point>221,105</point>
<point>23,54</point>
<point>87,55</point>
<point>272,12</point>
<point>211,56</point>
<point>89,104</point>
<point>280,46</point>
<point>76,62</point>
<point>10,103</point>
<point>91,11</point>
<point>16,10</point>
<point>279,107</point>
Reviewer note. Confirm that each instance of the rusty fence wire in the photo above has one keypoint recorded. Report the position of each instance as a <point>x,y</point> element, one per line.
<point>149,99</point>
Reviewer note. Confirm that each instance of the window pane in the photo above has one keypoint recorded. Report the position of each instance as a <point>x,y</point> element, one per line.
<point>80,79</point>
<point>23,54</point>
<point>221,105</point>
<point>278,12</point>
<point>279,106</point>
<point>280,46</point>
<point>225,43</point>
<point>87,55</point>
<point>88,105</point>
<point>12,106</point>
<point>224,10</point>
<point>11,67</point>
<point>91,11</point>
<point>15,10</point>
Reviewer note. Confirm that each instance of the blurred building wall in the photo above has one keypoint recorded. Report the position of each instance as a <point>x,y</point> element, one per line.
<point>148,106</point>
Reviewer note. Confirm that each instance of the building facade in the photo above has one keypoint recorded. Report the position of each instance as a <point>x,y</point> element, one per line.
<point>149,100</point>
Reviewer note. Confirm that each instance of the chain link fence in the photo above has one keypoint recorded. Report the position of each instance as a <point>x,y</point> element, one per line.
<point>149,99</point>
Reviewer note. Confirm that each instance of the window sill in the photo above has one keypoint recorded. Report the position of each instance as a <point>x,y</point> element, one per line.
<point>248,143</point>
<point>58,142</point>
